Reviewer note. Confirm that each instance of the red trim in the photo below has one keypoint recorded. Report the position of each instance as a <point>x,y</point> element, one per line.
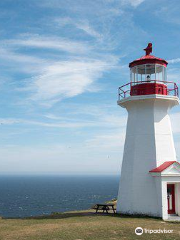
<point>125,90</point>
<point>148,59</point>
<point>163,166</point>
<point>148,88</point>
<point>172,190</point>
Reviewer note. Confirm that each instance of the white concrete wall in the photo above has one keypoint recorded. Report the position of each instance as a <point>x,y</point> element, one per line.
<point>164,201</point>
<point>148,144</point>
<point>159,205</point>
<point>165,150</point>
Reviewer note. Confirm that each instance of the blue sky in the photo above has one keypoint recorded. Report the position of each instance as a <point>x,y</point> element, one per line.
<point>61,63</point>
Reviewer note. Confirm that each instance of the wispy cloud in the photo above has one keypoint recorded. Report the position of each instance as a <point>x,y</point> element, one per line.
<point>100,119</point>
<point>133,3</point>
<point>21,62</point>
<point>101,6</point>
<point>174,75</point>
<point>53,79</point>
<point>176,60</point>
<point>49,42</point>
<point>83,25</point>
<point>169,12</point>
<point>64,67</point>
<point>111,140</point>
<point>66,79</point>
<point>62,124</point>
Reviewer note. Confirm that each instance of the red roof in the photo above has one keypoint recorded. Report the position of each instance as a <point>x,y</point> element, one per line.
<point>163,166</point>
<point>148,59</point>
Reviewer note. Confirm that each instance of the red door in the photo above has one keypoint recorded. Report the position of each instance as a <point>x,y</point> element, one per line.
<point>171,198</point>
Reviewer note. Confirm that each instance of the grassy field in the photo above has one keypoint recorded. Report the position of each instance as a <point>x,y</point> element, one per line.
<point>84,225</point>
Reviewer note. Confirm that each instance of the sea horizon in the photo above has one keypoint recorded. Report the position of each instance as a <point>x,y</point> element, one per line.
<point>33,195</point>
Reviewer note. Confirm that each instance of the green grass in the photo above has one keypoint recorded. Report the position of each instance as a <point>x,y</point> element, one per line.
<point>84,225</point>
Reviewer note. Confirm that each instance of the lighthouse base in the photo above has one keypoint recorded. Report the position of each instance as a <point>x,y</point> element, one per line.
<point>144,203</point>
<point>166,198</point>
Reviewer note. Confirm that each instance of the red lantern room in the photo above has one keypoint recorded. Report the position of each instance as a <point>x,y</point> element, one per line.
<point>148,76</point>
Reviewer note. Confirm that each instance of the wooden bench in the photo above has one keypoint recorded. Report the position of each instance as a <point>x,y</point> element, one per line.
<point>104,207</point>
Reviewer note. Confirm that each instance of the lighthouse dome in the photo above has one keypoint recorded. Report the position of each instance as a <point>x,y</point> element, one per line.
<point>148,59</point>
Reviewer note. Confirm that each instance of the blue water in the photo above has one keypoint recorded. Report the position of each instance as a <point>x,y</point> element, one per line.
<point>22,196</point>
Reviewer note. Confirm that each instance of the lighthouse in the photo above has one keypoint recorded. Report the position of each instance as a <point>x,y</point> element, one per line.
<point>150,174</point>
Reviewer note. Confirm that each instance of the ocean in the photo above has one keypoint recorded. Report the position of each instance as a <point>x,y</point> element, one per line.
<point>23,196</point>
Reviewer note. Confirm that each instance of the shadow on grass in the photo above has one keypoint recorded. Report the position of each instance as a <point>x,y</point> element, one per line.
<point>67,215</point>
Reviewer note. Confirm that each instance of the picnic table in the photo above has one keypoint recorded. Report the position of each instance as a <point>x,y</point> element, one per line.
<point>104,207</point>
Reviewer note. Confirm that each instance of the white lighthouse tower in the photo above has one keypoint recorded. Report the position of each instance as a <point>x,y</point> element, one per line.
<point>150,174</point>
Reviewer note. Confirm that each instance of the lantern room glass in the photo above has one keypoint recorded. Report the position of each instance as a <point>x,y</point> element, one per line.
<point>148,72</point>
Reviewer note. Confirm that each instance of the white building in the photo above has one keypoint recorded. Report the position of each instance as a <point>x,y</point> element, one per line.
<point>150,174</point>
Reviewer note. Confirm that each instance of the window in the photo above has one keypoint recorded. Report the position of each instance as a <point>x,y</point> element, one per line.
<point>148,72</point>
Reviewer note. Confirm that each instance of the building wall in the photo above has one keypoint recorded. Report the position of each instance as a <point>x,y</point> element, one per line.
<point>159,196</point>
<point>165,150</point>
<point>164,200</point>
<point>148,144</point>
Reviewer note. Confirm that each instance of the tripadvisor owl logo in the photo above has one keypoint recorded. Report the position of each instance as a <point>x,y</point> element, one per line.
<point>138,231</point>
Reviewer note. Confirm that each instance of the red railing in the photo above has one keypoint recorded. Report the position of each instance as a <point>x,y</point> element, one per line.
<point>125,90</point>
